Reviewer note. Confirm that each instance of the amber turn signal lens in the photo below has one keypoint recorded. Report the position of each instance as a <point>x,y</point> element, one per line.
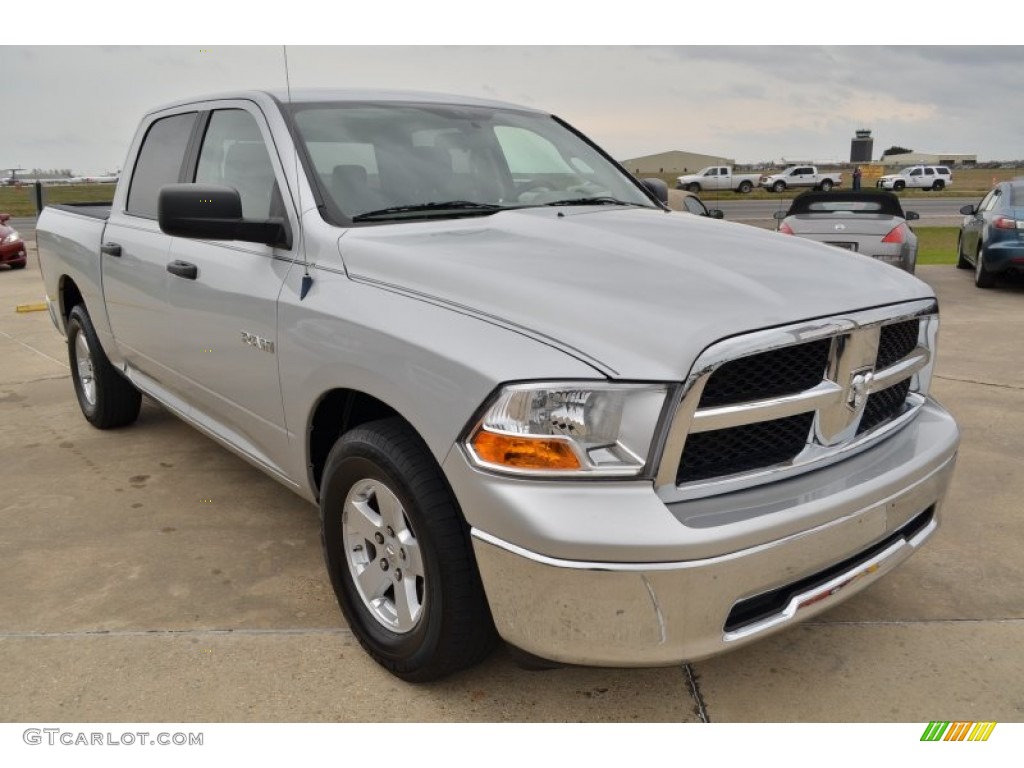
<point>519,452</point>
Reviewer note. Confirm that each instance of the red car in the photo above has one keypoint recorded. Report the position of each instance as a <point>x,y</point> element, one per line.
<point>12,247</point>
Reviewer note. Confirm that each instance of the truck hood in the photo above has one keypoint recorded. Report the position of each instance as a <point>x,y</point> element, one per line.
<point>637,293</point>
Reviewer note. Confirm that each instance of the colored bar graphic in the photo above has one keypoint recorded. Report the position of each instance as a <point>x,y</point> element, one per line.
<point>984,732</point>
<point>957,732</point>
<point>943,730</point>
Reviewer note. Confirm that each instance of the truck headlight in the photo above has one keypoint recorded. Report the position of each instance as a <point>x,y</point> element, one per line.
<point>568,428</point>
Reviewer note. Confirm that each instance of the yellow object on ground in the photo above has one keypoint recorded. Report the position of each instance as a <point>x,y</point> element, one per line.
<point>37,307</point>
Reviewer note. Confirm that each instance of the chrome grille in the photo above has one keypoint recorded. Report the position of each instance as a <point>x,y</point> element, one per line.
<point>740,449</point>
<point>882,406</point>
<point>787,400</point>
<point>770,374</point>
<point>896,341</point>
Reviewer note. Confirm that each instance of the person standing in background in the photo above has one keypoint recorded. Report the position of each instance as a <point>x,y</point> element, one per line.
<point>856,179</point>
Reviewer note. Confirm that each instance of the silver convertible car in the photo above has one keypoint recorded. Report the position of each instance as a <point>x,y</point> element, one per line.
<point>870,223</point>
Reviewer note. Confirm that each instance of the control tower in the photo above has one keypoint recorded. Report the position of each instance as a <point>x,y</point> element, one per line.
<point>861,147</point>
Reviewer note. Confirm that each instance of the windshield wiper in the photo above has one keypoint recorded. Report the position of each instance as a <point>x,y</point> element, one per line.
<point>601,200</point>
<point>460,206</point>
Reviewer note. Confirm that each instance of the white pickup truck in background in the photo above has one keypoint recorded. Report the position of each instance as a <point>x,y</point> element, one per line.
<point>717,177</point>
<point>801,176</point>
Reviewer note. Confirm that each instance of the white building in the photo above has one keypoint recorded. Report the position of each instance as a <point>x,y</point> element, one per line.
<point>931,158</point>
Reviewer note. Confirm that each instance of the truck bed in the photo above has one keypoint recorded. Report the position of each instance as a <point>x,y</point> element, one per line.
<point>69,237</point>
<point>93,210</point>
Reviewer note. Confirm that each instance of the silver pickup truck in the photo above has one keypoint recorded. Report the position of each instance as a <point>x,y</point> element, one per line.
<point>530,401</point>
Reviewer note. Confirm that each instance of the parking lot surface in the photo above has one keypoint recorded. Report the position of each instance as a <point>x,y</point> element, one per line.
<point>149,575</point>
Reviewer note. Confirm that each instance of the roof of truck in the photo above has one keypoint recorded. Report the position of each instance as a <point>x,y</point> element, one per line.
<point>310,95</point>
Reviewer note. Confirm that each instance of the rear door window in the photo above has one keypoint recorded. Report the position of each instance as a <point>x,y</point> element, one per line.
<point>159,162</point>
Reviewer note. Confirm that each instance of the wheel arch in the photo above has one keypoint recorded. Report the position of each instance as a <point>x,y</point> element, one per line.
<point>70,296</point>
<point>336,412</point>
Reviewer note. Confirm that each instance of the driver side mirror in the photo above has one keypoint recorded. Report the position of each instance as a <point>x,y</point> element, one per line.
<point>213,212</point>
<point>658,188</point>
<point>911,216</point>
<point>779,215</point>
<point>716,213</point>
<point>968,210</point>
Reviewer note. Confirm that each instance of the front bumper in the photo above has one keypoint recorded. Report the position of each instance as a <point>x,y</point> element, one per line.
<point>679,585</point>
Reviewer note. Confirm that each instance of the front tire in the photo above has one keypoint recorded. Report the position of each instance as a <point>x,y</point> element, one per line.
<point>107,398</point>
<point>898,186</point>
<point>399,555</point>
<point>779,186</point>
<point>695,188</point>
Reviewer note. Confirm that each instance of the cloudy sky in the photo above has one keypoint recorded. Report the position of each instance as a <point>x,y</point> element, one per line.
<point>77,107</point>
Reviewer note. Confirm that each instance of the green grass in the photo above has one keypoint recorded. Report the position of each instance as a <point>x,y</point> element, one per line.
<point>936,245</point>
<point>21,201</point>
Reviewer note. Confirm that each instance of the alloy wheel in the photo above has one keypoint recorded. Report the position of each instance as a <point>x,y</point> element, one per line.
<point>84,366</point>
<point>383,556</point>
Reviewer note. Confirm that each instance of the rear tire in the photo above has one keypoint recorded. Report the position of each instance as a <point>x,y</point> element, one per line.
<point>961,260</point>
<point>745,187</point>
<point>982,277</point>
<point>826,185</point>
<point>399,554</point>
<point>107,398</point>
<point>938,186</point>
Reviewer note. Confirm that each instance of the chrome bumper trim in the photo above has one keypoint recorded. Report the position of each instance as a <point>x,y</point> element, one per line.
<point>662,613</point>
<point>831,592</point>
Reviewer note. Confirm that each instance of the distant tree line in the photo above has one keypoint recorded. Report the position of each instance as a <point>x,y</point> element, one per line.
<point>50,173</point>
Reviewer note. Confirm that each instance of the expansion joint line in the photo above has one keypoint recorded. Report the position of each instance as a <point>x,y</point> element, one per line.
<point>981,383</point>
<point>695,694</point>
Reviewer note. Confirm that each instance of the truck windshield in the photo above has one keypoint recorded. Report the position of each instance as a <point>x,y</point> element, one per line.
<point>399,161</point>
